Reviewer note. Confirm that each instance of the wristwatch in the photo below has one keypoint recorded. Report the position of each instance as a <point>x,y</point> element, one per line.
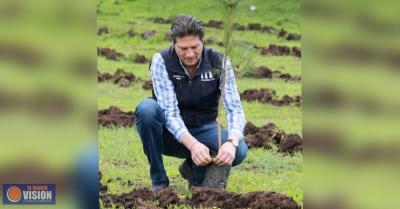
<point>233,142</point>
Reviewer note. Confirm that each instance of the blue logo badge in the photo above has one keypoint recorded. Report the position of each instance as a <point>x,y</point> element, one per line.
<point>29,194</point>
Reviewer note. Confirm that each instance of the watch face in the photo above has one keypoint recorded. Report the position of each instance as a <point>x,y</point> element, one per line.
<point>235,143</point>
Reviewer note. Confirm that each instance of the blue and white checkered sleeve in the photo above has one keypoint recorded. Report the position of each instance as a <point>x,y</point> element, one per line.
<point>166,97</point>
<point>233,106</point>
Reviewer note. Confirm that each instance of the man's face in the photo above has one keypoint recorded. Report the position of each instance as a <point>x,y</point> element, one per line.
<point>189,50</point>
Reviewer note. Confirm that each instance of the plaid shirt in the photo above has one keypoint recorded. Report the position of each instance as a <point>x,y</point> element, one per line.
<point>166,98</point>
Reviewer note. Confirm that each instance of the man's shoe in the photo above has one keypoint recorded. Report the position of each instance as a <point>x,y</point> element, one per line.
<point>186,171</point>
<point>156,188</point>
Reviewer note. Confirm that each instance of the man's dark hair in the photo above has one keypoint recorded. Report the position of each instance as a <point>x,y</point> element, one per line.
<point>186,25</point>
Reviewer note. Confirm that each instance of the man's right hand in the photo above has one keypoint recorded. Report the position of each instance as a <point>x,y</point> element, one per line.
<point>200,154</point>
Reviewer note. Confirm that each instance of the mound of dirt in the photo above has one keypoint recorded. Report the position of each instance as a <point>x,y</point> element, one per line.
<point>276,50</point>
<point>161,20</point>
<point>211,198</point>
<point>131,33</point>
<point>201,197</point>
<point>148,85</point>
<point>103,76</point>
<point>296,51</point>
<point>260,72</point>
<point>293,36</point>
<point>147,34</point>
<point>288,36</point>
<point>254,26</point>
<point>140,59</point>
<point>239,27</point>
<point>214,24</point>
<point>139,198</point>
<point>290,143</point>
<point>210,41</point>
<point>265,72</point>
<point>120,77</point>
<point>103,30</point>
<point>123,78</point>
<point>113,116</point>
<point>268,29</point>
<point>282,33</point>
<point>109,53</point>
<point>264,95</point>
<point>167,37</point>
<point>279,50</point>
<point>265,135</point>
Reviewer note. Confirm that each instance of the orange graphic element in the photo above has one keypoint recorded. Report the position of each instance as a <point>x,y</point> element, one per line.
<point>14,194</point>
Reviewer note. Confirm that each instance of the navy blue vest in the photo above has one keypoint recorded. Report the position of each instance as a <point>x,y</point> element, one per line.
<point>197,97</point>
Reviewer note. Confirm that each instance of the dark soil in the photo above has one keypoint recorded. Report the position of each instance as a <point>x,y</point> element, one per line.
<point>265,72</point>
<point>275,50</point>
<point>260,72</point>
<point>140,59</point>
<point>138,198</point>
<point>214,24</point>
<point>167,37</point>
<point>148,85</point>
<point>109,53</point>
<point>265,135</point>
<point>206,197</point>
<point>103,30</point>
<point>251,26</point>
<point>290,143</point>
<point>103,76</point>
<point>264,95</point>
<point>148,34</point>
<point>161,20</point>
<point>282,33</point>
<point>237,26</point>
<point>268,29</point>
<point>293,36</point>
<point>254,26</point>
<point>210,41</point>
<point>123,78</point>
<point>288,36</point>
<point>113,116</point>
<point>201,197</point>
<point>131,33</point>
<point>120,77</point>
<point>296,51</point>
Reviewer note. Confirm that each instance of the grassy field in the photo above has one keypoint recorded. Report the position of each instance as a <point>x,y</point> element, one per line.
<point>121,152</point>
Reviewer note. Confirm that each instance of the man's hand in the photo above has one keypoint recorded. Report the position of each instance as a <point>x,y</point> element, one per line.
<point>226,154</point>
<point>200,154</point>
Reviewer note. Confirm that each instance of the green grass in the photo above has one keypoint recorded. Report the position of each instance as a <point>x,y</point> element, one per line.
<point>121,153</point>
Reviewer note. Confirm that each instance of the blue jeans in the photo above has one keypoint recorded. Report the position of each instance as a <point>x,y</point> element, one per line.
<point>86,178</point>
<point>157,140</point>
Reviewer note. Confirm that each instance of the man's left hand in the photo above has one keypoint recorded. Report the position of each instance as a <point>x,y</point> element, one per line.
<point>226,154</point>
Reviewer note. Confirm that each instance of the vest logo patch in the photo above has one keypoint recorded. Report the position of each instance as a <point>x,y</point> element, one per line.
<point>178,77</point>
<point>207,76</point>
